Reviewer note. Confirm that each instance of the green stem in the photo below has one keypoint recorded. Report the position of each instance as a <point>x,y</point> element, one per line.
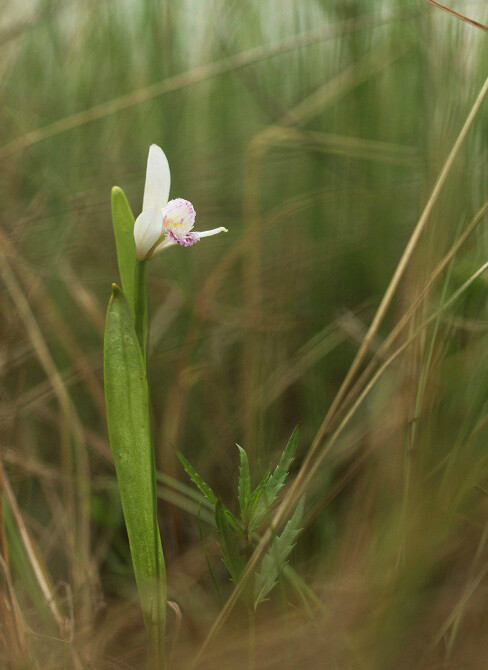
<point>140,305</point>
<point>158,617</point>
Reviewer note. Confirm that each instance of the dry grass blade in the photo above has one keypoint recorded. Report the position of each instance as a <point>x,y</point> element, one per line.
<point>11,628</point>
<point>418,331</point>
<point>38,293</point>
<point>308,465</point>
<point>398,274</point>
<point>460,607</point>
<point>76,478</point>
<point>393,335</point>
<point>37,568</point>
<point>476,24</point>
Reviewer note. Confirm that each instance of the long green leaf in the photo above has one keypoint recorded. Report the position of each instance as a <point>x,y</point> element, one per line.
<point>277,556</point>
<point>276,482</point>
<point>127,404</point>
<point>229,544</point>
<point>123,223</point>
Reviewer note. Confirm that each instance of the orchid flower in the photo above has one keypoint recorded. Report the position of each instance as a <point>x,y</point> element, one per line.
<point>161,224</point>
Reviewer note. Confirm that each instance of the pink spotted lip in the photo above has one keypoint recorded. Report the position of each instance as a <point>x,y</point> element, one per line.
<point>183,240</point>
<point>178,220</point>
<point>178,216</point>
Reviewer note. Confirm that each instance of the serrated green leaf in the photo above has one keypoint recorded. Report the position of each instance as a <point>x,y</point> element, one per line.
<point>229,544</point>
<point>276,558</point>
<point>196,479</point>
<point>244,485</point>
<point>276,482</point>
<point>127,406</point>
<point>123,223</point>
<point>206,490</point>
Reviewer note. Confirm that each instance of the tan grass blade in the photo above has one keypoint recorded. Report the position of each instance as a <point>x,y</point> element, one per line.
<point>476,24</point>
<point>11,631</point>
<point>77,474</point>
<point>32,553</point>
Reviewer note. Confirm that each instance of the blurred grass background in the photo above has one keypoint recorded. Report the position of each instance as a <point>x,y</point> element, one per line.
<point>314,130</point>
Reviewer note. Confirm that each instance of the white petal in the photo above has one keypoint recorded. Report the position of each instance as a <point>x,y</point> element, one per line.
<point>148,229</point>
<point>158,179</point>
<point>215,231</point>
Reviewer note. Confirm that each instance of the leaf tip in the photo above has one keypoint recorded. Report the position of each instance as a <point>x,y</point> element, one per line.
<point>116,291</point>
<point>116,191</point>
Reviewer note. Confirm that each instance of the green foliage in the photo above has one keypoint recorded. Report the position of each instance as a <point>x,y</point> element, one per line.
<point>127,406</point>
<point>237,537</point>
<point>326,217</point>
<point>277,556</point>
<point>196,479</point>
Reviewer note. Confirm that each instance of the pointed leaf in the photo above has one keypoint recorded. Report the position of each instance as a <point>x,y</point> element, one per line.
<point>196,479</point>
<point>277,556</point>
<point>244,486</point>
<point>127,404</point>
<point>123,223</point>
<point>276,482</point>
<point>229,544</point>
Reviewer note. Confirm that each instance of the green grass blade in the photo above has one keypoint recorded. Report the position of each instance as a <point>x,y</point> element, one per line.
<point>276,558</point>
<point>123,223</point>
<point>244,485</point>
<point>127,402</point>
